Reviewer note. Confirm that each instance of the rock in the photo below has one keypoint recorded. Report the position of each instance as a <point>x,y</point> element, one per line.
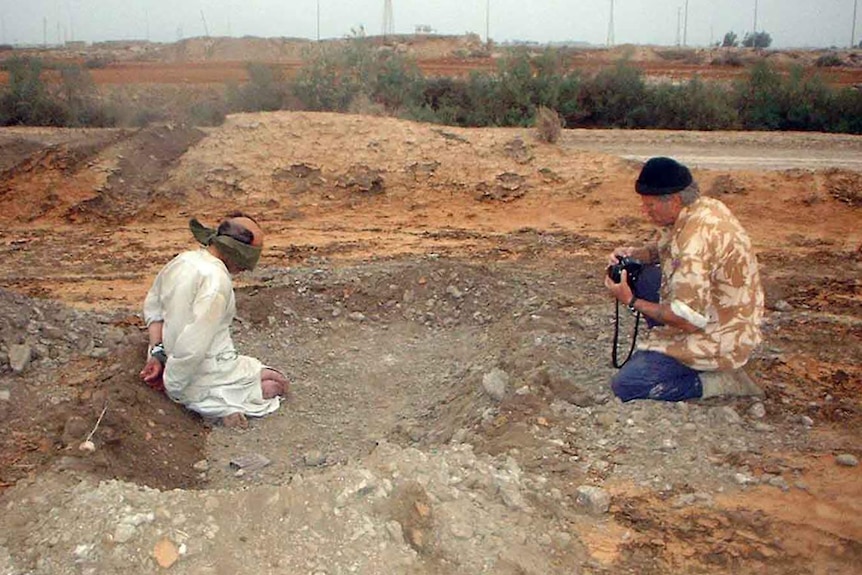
<point>314,458</point>
<point>806,421</point>
<point>165,553</point>
<point>668,445</point>
<point>782,305</point>
<point>461,530</point>
<point>744,479</point>
<point>5,395</point>
<point>729,415</point>
<point>249,462</point>
<point>202,465</point>
<point>20,357</point>
<point>606,419</point>
<point>757,411</point>
<point>494,383</point>
<point>780,482</point>
<point>594,499</point>
<point>357,316</point>
<point>454,292</point>
<point>124,533</point>
<point>847,460</point>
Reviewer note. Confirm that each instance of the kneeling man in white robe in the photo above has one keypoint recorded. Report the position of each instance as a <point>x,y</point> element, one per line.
<point>189,310</point>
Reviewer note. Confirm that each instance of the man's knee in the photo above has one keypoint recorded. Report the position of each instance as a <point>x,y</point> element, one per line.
<point>653,375</point>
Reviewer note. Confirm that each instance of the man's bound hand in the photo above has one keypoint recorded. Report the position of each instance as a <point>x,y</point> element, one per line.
<point>152,374</point>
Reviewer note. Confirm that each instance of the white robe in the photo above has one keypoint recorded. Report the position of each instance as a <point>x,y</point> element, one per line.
<point>193,295</point>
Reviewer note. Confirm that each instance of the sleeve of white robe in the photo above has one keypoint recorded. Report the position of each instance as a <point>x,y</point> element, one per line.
<point>193,342</point>
<point>152,304</point>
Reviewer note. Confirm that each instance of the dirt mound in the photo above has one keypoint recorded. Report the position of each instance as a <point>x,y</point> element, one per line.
<point>110,176</point>
<point>69,376</point>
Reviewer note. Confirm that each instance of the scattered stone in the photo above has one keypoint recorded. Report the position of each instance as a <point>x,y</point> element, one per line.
<point>494,383</point>
<point>203,465</point>
<point>454,292</point>
<point>249,462</point>
<point>847,460</point>
<point>20,357</point>
<point>5,395</point>
<point>357,316</point>
<point>782,305</point>
<point>606,419</point>
<point>124,532</point>
<point>744,479</point>
<point>806,421</point>
<point>594,499</point>
<point>729,414</point>
<point>778,481</point>
<point>668,445</point>
<point>461,530</point>
<point>757,410</point>
<point>314,458</point>
<point>165,553</point>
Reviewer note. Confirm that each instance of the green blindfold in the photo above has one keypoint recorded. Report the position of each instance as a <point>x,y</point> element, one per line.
<point>242,255</point>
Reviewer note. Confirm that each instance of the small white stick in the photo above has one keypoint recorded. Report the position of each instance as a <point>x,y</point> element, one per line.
<point>98,421</point>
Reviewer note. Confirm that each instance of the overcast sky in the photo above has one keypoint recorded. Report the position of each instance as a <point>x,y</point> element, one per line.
<point>791,23</point>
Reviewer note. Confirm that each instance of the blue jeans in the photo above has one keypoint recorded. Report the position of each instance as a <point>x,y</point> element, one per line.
<point>654,375</point>
<point>651,374</point>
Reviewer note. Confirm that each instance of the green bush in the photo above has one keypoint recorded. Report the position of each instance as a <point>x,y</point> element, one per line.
<point>26,99</point>
<point>757,101</point>
<point>828,61</point>
<point>264,91</point>
<point>616,97</point>
<point>757,40</point>
<point>694,105</point>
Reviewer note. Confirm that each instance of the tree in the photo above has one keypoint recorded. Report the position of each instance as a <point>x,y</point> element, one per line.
<point>757,40</point>
<point>731,40</point>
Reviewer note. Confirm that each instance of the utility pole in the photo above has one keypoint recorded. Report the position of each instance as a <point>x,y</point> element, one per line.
<point>685,26</point>
<point>754,31</point>
<point>388,19</point>
<point>487,21</point>
<point>853,28</point>
<point>206,29</point>
<point>611,26</point>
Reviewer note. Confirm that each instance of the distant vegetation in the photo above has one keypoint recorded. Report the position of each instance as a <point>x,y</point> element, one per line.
<point>28,100</point>
<point>525,90</point>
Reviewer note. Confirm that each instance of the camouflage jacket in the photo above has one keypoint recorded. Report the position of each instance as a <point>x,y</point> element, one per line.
<point>710,277</point>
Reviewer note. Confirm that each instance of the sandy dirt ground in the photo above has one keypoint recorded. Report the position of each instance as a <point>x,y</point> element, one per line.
<point>407,269</point>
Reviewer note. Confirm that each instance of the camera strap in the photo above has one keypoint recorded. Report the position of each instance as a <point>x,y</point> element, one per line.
<point>614,356</point>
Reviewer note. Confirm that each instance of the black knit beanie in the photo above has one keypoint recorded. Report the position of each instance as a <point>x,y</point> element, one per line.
<point>662,176</point>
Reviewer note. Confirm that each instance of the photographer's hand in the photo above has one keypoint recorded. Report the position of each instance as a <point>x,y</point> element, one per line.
<point>621,291</point>
<point>614,257</point>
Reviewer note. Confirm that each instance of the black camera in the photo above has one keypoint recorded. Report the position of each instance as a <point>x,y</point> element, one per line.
<point>632,266</point>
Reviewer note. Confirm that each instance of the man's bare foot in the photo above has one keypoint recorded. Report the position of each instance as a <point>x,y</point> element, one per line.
<point>273,387</point>
<point>235,421</point>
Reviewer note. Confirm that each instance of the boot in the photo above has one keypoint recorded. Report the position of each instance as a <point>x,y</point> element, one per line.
<point>734,383</point>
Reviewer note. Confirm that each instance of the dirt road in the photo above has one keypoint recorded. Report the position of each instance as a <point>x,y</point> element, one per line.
<point>435,295</point>
<point>727,150</point>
